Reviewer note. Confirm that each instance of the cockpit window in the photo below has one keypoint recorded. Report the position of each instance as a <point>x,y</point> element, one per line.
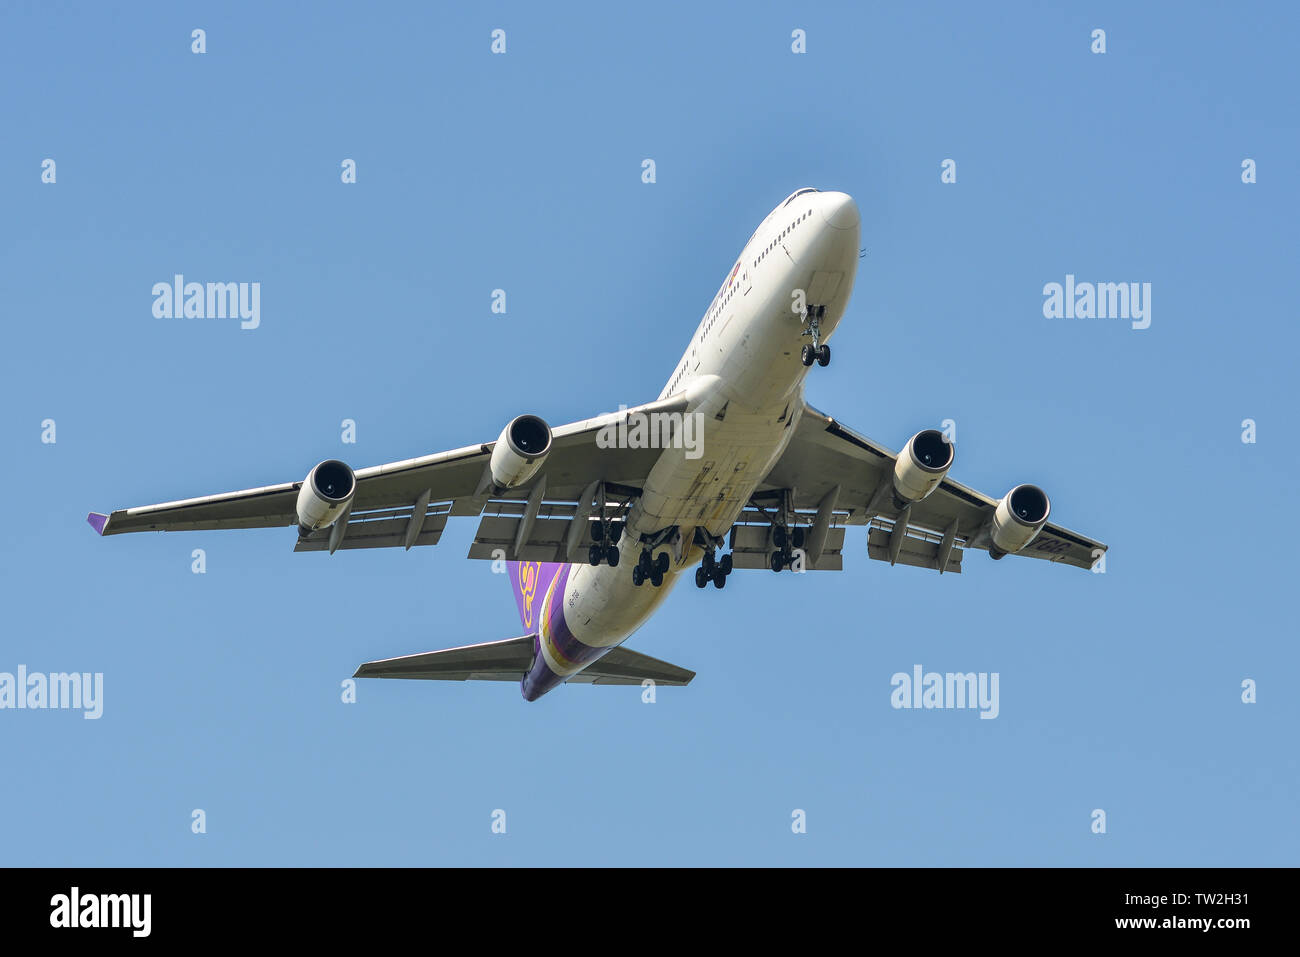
<point>798,192</point>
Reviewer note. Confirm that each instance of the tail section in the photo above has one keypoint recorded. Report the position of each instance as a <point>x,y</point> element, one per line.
<point>531,580</point>
<point>515,660</point>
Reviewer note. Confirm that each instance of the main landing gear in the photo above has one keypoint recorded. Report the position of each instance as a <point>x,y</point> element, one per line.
<point>650,568</point>
<point>713,570</point>
<point>606,535</point>
<point>815,351</point>
<point>786,542</point>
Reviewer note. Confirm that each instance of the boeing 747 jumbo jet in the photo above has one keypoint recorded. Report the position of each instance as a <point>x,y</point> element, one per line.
<point>595,521</point>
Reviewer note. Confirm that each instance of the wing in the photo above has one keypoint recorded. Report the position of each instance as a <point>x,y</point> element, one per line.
<point>832,468</point>
<point>511,659</point>
<point>408,503</point>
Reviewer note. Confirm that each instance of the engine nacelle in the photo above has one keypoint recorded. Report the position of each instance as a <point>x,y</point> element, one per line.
<point>1019,517</point>
<point>520,451</point>
<point>921,466</point>
<point>325,493</point>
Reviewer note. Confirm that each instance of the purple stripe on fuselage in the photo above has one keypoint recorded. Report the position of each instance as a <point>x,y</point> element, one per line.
<point>562,641</point>
<point>539,681</point>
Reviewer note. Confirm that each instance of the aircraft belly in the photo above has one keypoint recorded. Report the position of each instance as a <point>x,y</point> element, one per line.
<point>736,452</point>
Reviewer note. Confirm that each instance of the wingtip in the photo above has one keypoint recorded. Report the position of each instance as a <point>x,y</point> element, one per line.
<point>97,522</point>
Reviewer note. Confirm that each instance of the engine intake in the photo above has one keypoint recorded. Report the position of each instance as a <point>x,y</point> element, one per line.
<point>520,451</point>
<point>921,466</point>
<point>1020,516</point>
<point>325,494</point>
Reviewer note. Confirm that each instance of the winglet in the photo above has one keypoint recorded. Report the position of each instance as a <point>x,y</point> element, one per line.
<point>97,522</point>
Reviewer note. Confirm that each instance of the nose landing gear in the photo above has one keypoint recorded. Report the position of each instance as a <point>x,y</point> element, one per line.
<point>816,351</point>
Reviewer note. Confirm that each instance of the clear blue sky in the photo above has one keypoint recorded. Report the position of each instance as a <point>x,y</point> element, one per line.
<point>1118,691</point>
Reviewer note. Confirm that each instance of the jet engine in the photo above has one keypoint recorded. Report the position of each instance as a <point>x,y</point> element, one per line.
<point>921,466</point>
<point>1019,517</point>
<point>325,495</point>
<point>520,451</point>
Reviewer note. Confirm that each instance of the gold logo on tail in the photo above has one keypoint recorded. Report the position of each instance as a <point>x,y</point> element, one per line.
<point>529,574</point>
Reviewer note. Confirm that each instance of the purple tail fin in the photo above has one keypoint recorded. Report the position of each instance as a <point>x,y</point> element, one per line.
<point>530,581</point>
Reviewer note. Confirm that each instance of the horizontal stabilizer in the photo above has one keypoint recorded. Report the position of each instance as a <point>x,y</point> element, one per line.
<point>507,660</point>
<point>511,659</point>
<point>623,667</point>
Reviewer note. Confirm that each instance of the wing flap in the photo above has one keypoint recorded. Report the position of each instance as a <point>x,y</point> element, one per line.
<point>917,547</point>
<point>381,528</point>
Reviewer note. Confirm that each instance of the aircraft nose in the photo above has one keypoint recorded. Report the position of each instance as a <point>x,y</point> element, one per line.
<point>839,210</point>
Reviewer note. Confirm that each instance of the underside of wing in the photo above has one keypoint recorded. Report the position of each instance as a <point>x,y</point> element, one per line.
<point>265,507</point>
<point>408,503</point>
<point>828,469</point>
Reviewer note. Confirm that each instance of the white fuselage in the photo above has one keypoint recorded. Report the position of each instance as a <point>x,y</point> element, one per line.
<point>742,374</point>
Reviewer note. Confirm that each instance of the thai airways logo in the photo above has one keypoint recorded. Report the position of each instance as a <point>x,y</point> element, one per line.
<point>529,573</point>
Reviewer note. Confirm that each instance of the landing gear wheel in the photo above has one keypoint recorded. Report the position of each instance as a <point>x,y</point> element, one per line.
<point>661,564</point>
<point>778,561</point>
<point>807,355</point>
<point>778,537</point>
<point>611,555</point>
<point>701,578</point>
<point>597,531</point>
<point>823,356</point>
<point>708,563</point>
<point>656,578</point>
<point>643,563</point>
<point>638,576</point>
<point>594,554</point>
<point>798,536</point>
<point>615,532</point>
<point>719,579</point>
<point>725,564</point>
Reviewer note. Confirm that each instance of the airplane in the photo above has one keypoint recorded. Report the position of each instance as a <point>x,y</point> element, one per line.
<point>595,521</point>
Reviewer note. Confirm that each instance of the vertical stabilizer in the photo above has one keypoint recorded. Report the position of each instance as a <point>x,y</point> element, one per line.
<point>530,581</point>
